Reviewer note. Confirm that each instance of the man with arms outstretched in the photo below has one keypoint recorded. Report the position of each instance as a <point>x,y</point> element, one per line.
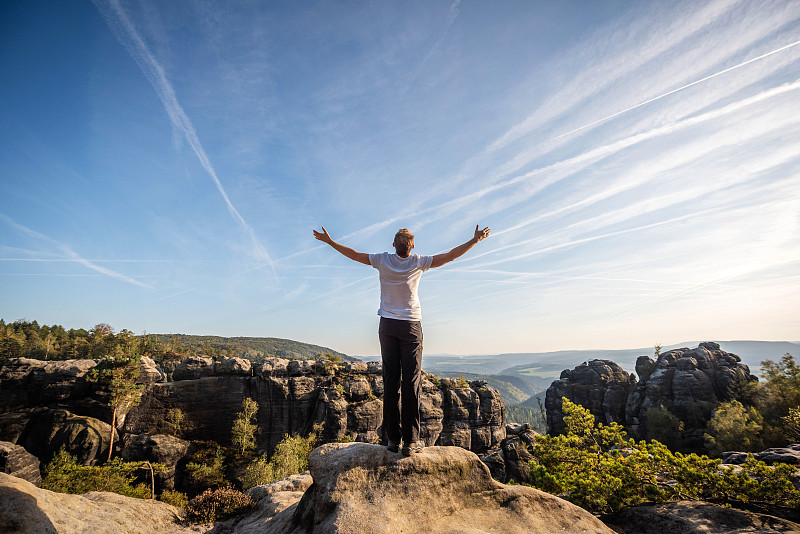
<point>400,329</point>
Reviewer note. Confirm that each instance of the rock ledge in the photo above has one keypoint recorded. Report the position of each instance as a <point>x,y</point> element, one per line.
<point>359,487</point>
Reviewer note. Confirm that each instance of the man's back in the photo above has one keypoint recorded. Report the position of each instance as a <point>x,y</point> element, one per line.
<point>399,279</point>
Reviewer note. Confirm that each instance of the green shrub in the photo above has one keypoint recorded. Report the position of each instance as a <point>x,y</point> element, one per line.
<point>216,504</point>
<point>206,468</point>
<point>461,382</point>
<point>64,475</point>
<point>289,458</point>
<point>791,425</point>
<point>435,380</point>
<point>780,393</point>
<point>175,498</point>
<point>599,468</point>
<point>733,427</point>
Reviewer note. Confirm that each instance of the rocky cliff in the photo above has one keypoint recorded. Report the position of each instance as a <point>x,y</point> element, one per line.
<point>688,382</point>
<point>48,405</point>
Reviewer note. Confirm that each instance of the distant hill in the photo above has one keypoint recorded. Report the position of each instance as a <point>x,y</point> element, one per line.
<point>252,348</point>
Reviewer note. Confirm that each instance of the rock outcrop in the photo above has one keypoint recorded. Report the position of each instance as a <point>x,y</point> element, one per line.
<point>695,517</point>
<point>49,405</point>
<point>510,460</point>
<point>688,382</point>
<point>600,386</point>
<point>16,461</point>
<point>27,509</point>
<point>161,448</point>
<point>85,437</point>
<point>26,382</point>
<point>359,487</point>
<point>778,455</point>
<point>293,396</point>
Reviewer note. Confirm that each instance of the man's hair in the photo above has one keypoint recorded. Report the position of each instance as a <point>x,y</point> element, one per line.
<point>403,241</point>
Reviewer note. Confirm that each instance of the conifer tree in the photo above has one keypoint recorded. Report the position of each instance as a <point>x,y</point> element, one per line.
<point>243,433</point>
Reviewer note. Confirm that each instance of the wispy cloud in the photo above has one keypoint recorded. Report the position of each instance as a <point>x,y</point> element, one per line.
<point>126,33</point>
<point>71,255</point>
<point>681,88</point>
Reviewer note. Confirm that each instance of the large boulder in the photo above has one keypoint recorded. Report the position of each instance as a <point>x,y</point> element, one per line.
<point>85,437</point>
<point>233,366</point>
<point>160,448</point>
<point>695,517</point>
<point>16,461</point>
<point>27,509</point>
<point>600,386</point>
<point>359,487</point>
<point>149,372</point>
<point>194,367</point>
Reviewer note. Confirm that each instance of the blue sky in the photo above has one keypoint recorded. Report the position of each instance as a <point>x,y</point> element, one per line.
<point>162,165</point>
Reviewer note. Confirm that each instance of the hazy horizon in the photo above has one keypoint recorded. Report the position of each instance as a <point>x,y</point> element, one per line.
<point>162,166</point>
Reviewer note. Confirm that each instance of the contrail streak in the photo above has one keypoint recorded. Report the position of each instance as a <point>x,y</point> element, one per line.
<point>71,255</point>
<point>659,97</point>
<point>117,18</point>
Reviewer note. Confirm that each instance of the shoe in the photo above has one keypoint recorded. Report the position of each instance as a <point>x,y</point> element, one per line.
<point>413,448</point>
<point>393,446</point>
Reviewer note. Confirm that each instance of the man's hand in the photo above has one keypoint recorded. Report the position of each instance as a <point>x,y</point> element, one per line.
<point>324,236</point>
<point>480,235</point>
<point>447,257</point>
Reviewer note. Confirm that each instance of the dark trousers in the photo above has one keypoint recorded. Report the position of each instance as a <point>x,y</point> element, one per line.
<point>401,350</point>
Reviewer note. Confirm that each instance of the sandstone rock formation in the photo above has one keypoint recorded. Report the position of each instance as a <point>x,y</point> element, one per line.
<point>294,395</point>
<point>359,487</point>
<point>601,386</point>
<point>85,437</point>
<point>688,382</point>
<point>273,499</point>
<point>16,461</point>
<point>783,455</point>
<point>26,382</point>
<point>695,517</point>
<point>160,448</point>
<point>27,509</point>
<point>49,405</point>
<point>510,460</point>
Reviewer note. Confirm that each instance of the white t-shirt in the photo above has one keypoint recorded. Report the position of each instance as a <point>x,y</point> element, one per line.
<point>399,282</point>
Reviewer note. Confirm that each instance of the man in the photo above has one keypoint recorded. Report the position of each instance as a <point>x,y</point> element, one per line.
<point>400,330</point>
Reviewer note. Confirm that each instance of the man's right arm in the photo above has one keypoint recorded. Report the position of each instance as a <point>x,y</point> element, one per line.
<point>324,236</point>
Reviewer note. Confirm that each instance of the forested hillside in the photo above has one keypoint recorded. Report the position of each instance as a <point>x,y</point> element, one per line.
<point>44,342</point>
<point>251,348</point>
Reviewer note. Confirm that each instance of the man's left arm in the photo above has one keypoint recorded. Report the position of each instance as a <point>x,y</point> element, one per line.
<point>460,250</point>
